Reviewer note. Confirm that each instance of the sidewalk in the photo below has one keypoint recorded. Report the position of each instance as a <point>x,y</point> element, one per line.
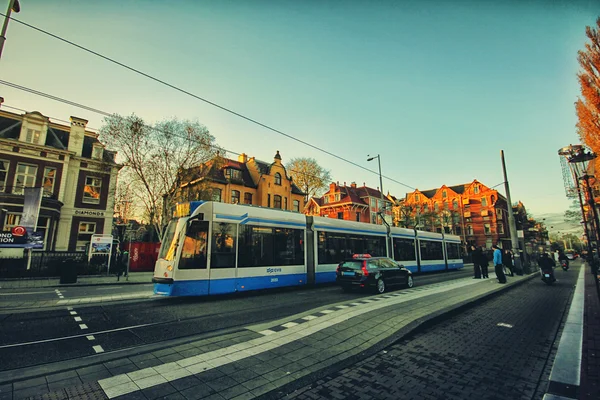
<point>89,280</point>
<point>590,365</point>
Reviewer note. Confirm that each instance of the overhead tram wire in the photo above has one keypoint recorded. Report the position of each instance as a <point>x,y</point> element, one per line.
<point>219,148</point>
<point>202,99</point>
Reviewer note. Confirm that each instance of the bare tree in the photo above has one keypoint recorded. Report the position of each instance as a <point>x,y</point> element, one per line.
<point>308,175</point>
<point>153,158</point>
<point>406,215</point>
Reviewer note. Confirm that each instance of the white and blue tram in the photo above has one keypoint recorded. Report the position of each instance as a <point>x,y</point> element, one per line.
<point>218,248</point>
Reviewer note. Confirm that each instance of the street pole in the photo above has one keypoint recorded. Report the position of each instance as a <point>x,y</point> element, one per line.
<point>13,5</point>
<point>380,186</point>
<point>511,219</point>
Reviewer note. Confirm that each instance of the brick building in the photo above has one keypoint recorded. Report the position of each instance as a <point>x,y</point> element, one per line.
<point>77,174</point>
<point>244,181</point>
<point>472,210</point>
<point>351,203</point>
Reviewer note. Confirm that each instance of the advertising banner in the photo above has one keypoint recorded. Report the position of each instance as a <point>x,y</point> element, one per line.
<point>31,211</point>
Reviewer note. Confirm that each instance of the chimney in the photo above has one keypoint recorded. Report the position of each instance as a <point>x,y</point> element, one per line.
<point>1,101</point>
<point>77,134</point>
<point>344,184</point>
<point>353,184</point>
<point>243,158</point>
<point>277,156</point>
<point>332,187</point>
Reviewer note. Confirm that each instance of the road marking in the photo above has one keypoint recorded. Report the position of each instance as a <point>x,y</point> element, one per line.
<point>309,317</point>
<point>83,326</point>
<point>342,306</point>
<point>78,319</point>
<point>61,297</point>
<point>290,324</point>
<point>110,288</point>
<point>267,332</point>
<point>69,308</point>
<point>90,337</point>
<point>123,384</point>
<point>23,293</point>
<point>98,349</point>
<point>73,312</point>
<point>502,324</point>
<point>99,299</point>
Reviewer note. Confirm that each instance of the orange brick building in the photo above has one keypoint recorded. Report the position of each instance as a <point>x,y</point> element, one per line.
<point>473,211</point>
<point>351,203</point>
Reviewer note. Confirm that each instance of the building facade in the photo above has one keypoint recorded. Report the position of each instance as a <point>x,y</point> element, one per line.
<point>242,181</point>
<point>77,174</point>
<point>472,210</point>
<point>352,203</point>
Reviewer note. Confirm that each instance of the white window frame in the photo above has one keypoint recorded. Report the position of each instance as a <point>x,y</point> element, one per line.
<point>89,199</point>
<point>28,176</point>
<point>33,136</point>
<point>296,205</point>
<point>278,178</point>
<point>80,244</point>
<point>487,229</point>
<point>484,202</point>
<point>49,191</point>
<point>476,189</point>
<point>4,171</point>
<point>501,229</point>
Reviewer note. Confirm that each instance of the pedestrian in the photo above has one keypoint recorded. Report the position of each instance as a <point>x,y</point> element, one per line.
<point>125,263</point>
<point>507,260</point>
<point>498,264</point>
<point>483,262</point>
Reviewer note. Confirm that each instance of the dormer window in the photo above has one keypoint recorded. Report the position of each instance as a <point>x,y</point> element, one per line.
<point>444,194</point>
<point>33,136</point>
<point>476,189</point>
<point>277,178</point>
<point>234,174</point>
<point>97,152</point>
<point>417,198</point>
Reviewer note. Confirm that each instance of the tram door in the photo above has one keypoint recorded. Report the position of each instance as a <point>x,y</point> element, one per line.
<point>222,269</point>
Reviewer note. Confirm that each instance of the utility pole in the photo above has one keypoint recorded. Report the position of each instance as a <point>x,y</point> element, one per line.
<point>13,5</point>
<point>511,220</point>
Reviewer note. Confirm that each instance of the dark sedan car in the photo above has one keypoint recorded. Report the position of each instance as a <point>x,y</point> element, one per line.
<point>378,273</point>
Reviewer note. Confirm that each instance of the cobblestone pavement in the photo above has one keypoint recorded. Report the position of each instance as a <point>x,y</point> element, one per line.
<point>502,349</point>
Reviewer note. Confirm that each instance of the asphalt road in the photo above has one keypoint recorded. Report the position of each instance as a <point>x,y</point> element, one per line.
<point>35,338</point>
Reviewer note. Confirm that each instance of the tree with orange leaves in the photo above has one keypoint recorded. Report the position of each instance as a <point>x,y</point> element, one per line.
<point>588,106</point>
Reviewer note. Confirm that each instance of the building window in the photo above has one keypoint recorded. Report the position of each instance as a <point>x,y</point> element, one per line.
<point>436,207</point>
<point>268,200</point>
<point>234,174</point>
<point>357,217</point>
<point>325,199</point>
<point>216,195</point>
<point>285,207</point>
<point>48,183</point>
<point>340,215</point>
<point>247,198</point>
<point>278,178</point>
<point>373,218</point>
<point>373,202</point>
<point>25,177</point>
<point>277,201</point>
<point>484,202</point>
<point>91,191</point>
<point>444,194</point>
<point>486,229</point>
<point>417,198</point>
<point>84,235</point>
<point>476,189</point>
<point>499,213</point>
<point>469,230</point>
<point>3,174</point>
<point>235,197</point>
<point>97,152</point>
<point>33,136</point>
<point>425,207</point>
<point>337,197</point>
<point>455,204</point>
<point>11,220</point>
<point>501,229</point>
<point>445,205</point>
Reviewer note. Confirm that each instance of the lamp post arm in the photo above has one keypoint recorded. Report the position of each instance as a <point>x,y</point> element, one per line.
<point>11,4</point>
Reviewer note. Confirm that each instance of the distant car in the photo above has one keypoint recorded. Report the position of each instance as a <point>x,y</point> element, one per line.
<point>376,273</point>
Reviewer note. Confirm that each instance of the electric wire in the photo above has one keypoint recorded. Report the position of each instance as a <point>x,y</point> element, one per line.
<point>223,108</point>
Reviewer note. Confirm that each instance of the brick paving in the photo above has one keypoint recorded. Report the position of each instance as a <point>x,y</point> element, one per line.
<point>134,278</point>
<point>466,357</point>
<point>590,366</point>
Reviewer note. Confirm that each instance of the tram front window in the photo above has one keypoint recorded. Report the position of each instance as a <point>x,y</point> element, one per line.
<point>169,246</point>
<point>193,253</point>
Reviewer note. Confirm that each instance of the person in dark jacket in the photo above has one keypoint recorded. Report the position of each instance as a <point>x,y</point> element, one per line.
<point>483,262</point>
<point>547,265</point>
<point>507,261</point>
<point>476,256</point>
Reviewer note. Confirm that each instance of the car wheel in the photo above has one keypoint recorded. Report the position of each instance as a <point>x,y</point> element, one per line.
<point>380,286</point>
<point>410,283</point>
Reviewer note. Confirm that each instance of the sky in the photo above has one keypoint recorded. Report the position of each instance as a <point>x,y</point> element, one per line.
<point>436,88</point>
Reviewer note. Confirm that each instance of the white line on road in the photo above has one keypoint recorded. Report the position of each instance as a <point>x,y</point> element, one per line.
<point>98,349</point>
<point>78,319</point>
<point>83,326</point>
<point>73,312</point>
<point>90,337</point>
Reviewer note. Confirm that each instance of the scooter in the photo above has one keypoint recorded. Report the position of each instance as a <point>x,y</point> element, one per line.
<point>564,264</point>
<point>548,276</point>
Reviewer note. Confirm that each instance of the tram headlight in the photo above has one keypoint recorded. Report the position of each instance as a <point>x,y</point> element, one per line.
<point>170,268</point>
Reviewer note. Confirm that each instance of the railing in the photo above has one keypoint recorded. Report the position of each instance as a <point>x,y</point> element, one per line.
<point>46,264</point>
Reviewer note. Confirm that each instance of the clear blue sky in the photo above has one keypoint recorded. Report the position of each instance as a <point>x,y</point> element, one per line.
<point>437,88</point>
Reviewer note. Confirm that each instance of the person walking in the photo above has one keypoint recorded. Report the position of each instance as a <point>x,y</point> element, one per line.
<point>476,257</point>
<point>507,261</point>
<point>498,264</point>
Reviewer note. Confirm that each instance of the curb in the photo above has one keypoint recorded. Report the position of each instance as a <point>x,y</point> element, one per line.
<point>412,328</point>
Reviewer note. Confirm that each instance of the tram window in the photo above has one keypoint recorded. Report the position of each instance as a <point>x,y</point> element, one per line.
<point>169,245</point>
<point>356,245</point>
<point>223,246</point>
<point>453,251</point>
<point>431,250</point>
<point>193,253</point>
<point>288,246</point>
<point>332,247</point>
<point>404,249</point>
<point>375,246</point>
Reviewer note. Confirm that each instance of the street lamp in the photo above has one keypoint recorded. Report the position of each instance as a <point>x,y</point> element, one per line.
<point>13,5</point>
<point>380,185</point>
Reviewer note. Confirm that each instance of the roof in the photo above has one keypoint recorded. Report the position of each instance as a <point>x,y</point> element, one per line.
<point>353,195</point>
